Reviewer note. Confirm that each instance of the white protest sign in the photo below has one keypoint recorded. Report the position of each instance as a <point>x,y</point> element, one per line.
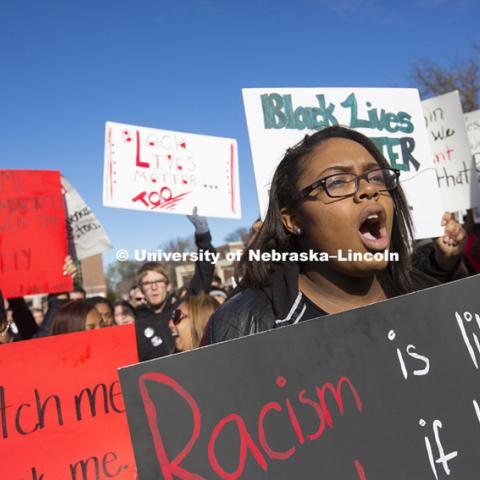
<point>472,124</point>
<point>278,118</point>
<point>451,153</point>
<point>89,237</point>
<point>170,172</point>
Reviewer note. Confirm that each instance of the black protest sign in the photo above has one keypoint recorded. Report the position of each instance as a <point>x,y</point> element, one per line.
<point>388,391</point>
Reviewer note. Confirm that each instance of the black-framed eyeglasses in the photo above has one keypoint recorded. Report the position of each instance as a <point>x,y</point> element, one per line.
<point>178,316</point>
<point>345,184</point>
<point>157,283</point>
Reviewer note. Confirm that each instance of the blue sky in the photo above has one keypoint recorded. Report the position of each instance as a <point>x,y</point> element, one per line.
<point>68,67</point>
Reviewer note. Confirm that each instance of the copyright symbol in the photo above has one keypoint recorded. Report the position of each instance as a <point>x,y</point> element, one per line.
<point>122,255</point>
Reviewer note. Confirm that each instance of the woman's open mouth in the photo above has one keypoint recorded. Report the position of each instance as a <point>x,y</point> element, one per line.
<point>372,228</point>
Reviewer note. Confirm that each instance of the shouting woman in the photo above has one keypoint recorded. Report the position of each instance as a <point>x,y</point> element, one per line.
<point>333,193</point>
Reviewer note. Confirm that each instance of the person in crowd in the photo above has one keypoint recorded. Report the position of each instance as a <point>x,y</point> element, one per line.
<point>24,321</point>
<point>124,313</point>
<point>471,249</point>
<point>333,191</point>
<point>76,316</point>
<point>136,296</point>
<point>154,338</point>
<point>78,293</point>
<point>189,319</point>
<point>430,256</point>
<point>105,309</point>
<point>38,315</point>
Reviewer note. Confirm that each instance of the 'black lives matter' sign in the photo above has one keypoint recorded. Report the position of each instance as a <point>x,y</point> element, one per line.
<point>389,391</point>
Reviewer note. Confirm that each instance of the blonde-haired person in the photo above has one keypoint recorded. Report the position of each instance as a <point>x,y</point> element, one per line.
<point>154,338</point>
<point>189,320</point>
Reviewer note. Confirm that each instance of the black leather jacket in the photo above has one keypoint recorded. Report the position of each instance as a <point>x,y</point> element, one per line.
<point>257,310</point>
<point>249,311</point>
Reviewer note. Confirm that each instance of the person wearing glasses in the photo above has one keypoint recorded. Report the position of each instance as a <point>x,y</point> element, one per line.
<point>334,191</point>
<point>154,338</point>
<point>151,326</point>
<point>189,319</point>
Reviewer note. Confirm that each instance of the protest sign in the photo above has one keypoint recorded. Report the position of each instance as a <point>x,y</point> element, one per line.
<point>388,391</point>
<point>84,230</point>
<point>472,124</point>
<point>455,171</point>
<point>278,118</point>
<point>33,233</point>
<point>61,408</point>
<point>170,172</point>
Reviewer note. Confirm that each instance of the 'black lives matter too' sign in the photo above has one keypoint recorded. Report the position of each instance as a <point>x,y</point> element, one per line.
<point>389,391</point>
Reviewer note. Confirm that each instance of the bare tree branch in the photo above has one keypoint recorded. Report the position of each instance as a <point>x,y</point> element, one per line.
<point>461,74</point>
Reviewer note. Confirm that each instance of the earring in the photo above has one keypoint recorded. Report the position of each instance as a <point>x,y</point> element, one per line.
<point>298,231</point>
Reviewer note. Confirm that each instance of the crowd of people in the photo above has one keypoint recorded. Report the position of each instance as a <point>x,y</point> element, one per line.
<point>332,191</point>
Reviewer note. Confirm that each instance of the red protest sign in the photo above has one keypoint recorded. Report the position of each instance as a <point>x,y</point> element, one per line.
<point>61,409</point>
<point>33,233</point>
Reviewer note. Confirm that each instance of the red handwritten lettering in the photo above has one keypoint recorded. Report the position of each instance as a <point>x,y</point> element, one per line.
<point>295,423</point>
<point>246,442</point>
<point>162,198</point>
<point>151,198</point>
<point>138,160</point>
<point>247,445</point>
<point>170,468</point>
<point>359,470</point>
<point>274,455</point>
<point>141,197</point>
<point>336,392</point>
<point>318,409</point>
